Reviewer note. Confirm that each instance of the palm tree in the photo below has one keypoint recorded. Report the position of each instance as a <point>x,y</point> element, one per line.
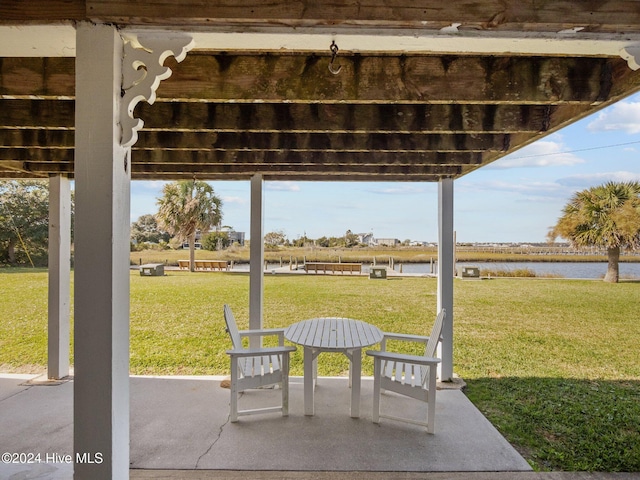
<point>604,216</point>
<point>185,207</point>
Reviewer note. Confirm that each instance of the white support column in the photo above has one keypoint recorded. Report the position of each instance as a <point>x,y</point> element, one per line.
<point>256,252</point>
<point>101,327</point>
<point>59,276</point>
<point>445,274</point>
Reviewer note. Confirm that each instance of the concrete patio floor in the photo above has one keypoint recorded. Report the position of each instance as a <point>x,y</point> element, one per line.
<point>180,423</point>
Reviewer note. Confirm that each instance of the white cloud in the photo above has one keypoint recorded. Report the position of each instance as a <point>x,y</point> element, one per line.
<point>623,116</point>
<point>400,189</point>
<point>543,153</point>
<point>526,188</point>
<point>229,199</point>
<point>282,186</point>
<point>588,180</point>
<point>153,185</point>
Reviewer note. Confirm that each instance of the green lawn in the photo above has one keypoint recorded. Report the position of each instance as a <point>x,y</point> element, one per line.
<point>552,363</point>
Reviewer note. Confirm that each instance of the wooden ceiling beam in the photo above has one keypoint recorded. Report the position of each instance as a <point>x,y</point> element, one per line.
<point>42,114</point>
<point>290,169</point>
<point>35,137</point>
<point>346,117</point>
<point>41,11</point>
<point>353,141</point>
<point>527,15</point>
<point>25,138</point>
<point>524,14</point>
<point>419,78</point>
<point>43,169</point>
<point>300,118</point>
<point>305,78</point>
<point>255,159</point>
<point>308,177</point>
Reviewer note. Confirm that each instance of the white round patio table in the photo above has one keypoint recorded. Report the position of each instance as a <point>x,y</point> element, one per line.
<point>332,334</point>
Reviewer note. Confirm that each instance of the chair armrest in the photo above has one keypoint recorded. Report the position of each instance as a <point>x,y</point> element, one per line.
<point>400,357</point>
<point>405,337</point>
<point>258,352</point>
<point>263,332</point>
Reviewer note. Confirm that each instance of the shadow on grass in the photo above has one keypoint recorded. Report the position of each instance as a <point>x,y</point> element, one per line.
<point>565,424</point>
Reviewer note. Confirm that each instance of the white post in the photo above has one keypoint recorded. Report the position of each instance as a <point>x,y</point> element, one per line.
<point>59,276</point>
<point>101,327</point>
<point>445,275</point>
<point>256,262</point>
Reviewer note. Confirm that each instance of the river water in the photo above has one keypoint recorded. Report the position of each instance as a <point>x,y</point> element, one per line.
<point>561,269</point>
<point>585,270</point>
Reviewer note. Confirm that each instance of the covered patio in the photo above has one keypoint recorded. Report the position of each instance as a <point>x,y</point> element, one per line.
<point>182,423</point>
<point>266,92</point>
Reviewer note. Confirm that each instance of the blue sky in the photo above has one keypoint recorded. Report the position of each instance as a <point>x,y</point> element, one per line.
<point>515,199</point>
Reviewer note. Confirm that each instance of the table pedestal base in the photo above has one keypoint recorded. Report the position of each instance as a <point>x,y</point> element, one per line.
<point>311,375</point>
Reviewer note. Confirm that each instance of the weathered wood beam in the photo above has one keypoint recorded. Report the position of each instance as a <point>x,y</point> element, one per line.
<point>47,114</point>
<point>46,168</point>
<point>433,170</point>
<point>48,77</point>
<point>143,174</point>
<point>34,154</point>
<point>354,141</point>
<point>344,159</point>
<point>300,117</point>
<point>257,159</point>
<point>527,15</point>
<point>419,78</point>
<point>41,11</point>
<point>36,137</point>
<point>345,117</point>
<point>308,177</point>
<point>505,14</point>
<point>22,168</point>
<point>305,78</point>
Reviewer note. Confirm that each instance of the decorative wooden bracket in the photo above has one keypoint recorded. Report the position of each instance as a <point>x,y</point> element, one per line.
<point>632,55</point>
<point>142,72</point>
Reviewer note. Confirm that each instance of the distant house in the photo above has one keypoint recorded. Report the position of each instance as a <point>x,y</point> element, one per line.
<point>366,239</point>
<point>234,237</point>
<point>388,242</point>
<point>417,243</point>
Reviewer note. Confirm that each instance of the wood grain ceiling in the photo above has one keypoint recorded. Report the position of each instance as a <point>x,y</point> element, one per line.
<point>393,116</point>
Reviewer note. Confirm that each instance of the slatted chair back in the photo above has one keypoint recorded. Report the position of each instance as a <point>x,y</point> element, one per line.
<point>432,345</point>
<point>232,327</point>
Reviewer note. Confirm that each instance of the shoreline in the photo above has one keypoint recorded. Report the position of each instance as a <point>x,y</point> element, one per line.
<point>371,255</point>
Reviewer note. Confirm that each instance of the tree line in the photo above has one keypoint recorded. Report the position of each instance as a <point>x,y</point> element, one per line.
<point>605,216</point>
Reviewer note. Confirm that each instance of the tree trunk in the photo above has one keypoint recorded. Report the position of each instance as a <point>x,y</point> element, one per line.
<point>192,252</point>
<point>613,254</point>
<point>11,251</point>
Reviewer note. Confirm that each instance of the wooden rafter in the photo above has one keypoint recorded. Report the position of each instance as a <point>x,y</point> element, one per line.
<point>406,115</point>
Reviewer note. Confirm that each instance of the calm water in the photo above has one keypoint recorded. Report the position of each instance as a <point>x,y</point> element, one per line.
<point>562,269</point>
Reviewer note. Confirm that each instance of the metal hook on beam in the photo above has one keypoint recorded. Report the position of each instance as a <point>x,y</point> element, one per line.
<point>334,54</point>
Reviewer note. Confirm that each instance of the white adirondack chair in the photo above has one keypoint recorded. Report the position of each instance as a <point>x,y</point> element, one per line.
<point>410,375</point>
<point>254,368</point>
